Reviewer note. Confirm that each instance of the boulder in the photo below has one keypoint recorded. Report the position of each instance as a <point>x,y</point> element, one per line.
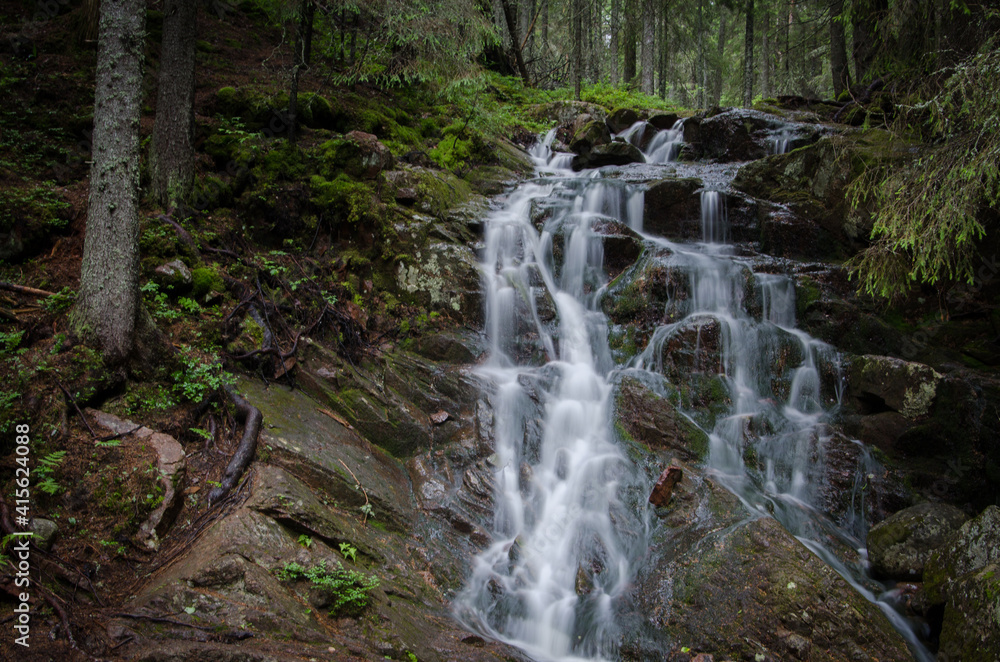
<point>964,575</point>
<point>899,546</point>
<point>587,133</point>
<point>655,421</point>
<point>370,156</point>
<point>621,119</point>
<point>563,112</point>
<point>664,487</point>
<point>673,208</point>
<point>663,121</point>
<point>45,532</point>
<point>615,153</point>
<point>881,383</point>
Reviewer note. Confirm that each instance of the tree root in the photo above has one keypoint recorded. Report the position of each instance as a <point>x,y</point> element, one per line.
<point>245,451</point>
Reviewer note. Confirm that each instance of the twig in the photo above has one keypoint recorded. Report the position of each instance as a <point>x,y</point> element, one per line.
<point>358,483</point>
<point>23,289</point>
<point>112,437</point>
<point>72,401</point>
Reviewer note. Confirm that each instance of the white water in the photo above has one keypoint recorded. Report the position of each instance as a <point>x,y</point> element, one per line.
<point>564,543</point>
<point>570,524</point>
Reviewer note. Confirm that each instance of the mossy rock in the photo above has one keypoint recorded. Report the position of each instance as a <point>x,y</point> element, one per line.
<point>900,545</point>
<point>654,420</point>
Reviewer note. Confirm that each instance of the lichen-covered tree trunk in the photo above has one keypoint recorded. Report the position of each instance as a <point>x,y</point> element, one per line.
<point>648,46</point>
<point>628,67</point>
<point>748,72</point>
<point>108,309</point>
<point>171,154</point>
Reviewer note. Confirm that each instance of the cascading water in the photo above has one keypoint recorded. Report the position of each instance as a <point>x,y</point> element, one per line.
<point>781,141</point>
<point>570,524</point>
<point>565,541</point>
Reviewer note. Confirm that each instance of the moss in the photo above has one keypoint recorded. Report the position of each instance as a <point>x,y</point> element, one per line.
<point>349,200</point>
<point>205,280</point>
<point>807,293</point>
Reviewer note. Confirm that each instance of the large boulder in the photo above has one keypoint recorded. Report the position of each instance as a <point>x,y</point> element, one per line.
<point>881,383</point>
<point>614,153</point>
<point>587,133</point>
<point>621,119</point>
<point>673,208</point>
<point>899,546</point>
<point>964,575</point>
<point>563,112</point>
<point>733,135</point>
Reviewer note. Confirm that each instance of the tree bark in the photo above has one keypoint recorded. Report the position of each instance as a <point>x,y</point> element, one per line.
<point>577,47</point>
<point>628,68</point>
<point>615,40</point>
<point>838,51</point>
<point>700,68</point>
<point>765,56</point>
<point>301,45</point>
<point>748,57</point>
<point>721,45</point>
<point>171,154</point>
<point>109,309</point>
<point>515,45</point>
<point>648,45</point>
<point>664,48</point>
<point>865,43</point>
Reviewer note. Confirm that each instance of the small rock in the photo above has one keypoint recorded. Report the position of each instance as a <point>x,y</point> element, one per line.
<point>174,276</point>
<point>664,488</point>
<point>702,657</point>
<point>374,157</point>
<point>440,417</point>
<point>583,583</point>
<point>45,532</point>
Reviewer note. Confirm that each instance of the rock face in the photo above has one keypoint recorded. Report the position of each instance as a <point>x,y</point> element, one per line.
<point>655,421</point>
<point>673,208</point>
<point>615,153</point>
<point>899,546</point>
<point>964,575</point>
<point>587,133</point>
<point>733,135</point>
<point>889,383</point>
<point>720,584</point>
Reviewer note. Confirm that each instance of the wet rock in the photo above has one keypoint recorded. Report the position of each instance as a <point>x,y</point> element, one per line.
<point>662,121</point>
<point>615,153</point>
<point>450,347</point>
<point>564,112</point>
<point>673,208</point>
<point>880,383</point>
<point>732,135</point>
<point>406,196</point>
<point>664,487</point>
<point>621,119</point>
<point>742,592</point>
<point>45,532</point>
<point>655,421</point>
<point>173,276</point>
<point>899,546</point>
<point>964,575</point>
<point>622,245</point>
<point>588,133</point>
<point>784,234</point>
<point>368,158</point>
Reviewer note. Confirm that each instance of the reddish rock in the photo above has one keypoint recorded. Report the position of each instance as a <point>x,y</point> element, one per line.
<point>373,157</point>
<point>664,488</point>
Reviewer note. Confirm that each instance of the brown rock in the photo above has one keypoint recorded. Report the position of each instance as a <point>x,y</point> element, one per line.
<point>374,156</point>
<point>664,488</point>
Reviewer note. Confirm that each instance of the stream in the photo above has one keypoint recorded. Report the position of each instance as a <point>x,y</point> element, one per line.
<point>571,523</point>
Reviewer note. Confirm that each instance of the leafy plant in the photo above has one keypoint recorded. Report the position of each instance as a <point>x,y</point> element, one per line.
<point>198,377</point>
<point>44,470</point>
<point>349,551</point>
<point>305,541</point>
<point>60,301</point>
<point>349,588</point>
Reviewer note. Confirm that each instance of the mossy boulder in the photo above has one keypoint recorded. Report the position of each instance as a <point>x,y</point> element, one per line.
<point>880,383</point>
<point>563,112</point>
<point>358,154</point>
<point>654,420</point>
<point>587,133</point>
<point>964,575</point>
<point>899,546</point>
<point>621,119</point>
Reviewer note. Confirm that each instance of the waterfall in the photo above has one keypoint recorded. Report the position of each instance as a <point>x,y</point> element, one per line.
<point>781,141</point>
<point>571,519</point>
<point>566,535</point>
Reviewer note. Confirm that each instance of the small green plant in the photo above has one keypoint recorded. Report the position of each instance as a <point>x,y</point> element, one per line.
<point>305,541</point>
<point>198,378</point>
<point>349,551</point>
<point>368,511</point>
<point>60,301</point>
<point>110,443</point>
<point>10,341</point>
<point>349,588</point>
<point>46,466</point>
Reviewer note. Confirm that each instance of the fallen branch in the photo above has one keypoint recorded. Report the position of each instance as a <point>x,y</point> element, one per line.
<point>182,234</point>
<point>23,289</point>
<point>245,451</point>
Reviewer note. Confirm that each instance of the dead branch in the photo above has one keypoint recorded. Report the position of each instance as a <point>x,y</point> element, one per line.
<point>72,400</point>
<point>23,289</point>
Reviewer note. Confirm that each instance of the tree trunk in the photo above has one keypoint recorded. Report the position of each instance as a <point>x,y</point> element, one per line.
<point>865,43</point>
<point>748,58</point>
<point>515,45</point>
<point>648,45</point>
<point>545,24</point>
<point>628,70</point>
<point>721,45</point>
<point>301,45</point>
<point>785,20</point>
<point>615,41</point>
<point>700,68</point>
<point>171,154</point>
<point>838,51</point>
<point>765,57</point>
<point>664,50</point>
<point>109,308</point>
<point>577,47</point>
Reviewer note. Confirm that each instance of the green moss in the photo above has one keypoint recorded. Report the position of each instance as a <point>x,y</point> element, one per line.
<point>807,293</point>
<point>349,200</point>
<point>205,280</point>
